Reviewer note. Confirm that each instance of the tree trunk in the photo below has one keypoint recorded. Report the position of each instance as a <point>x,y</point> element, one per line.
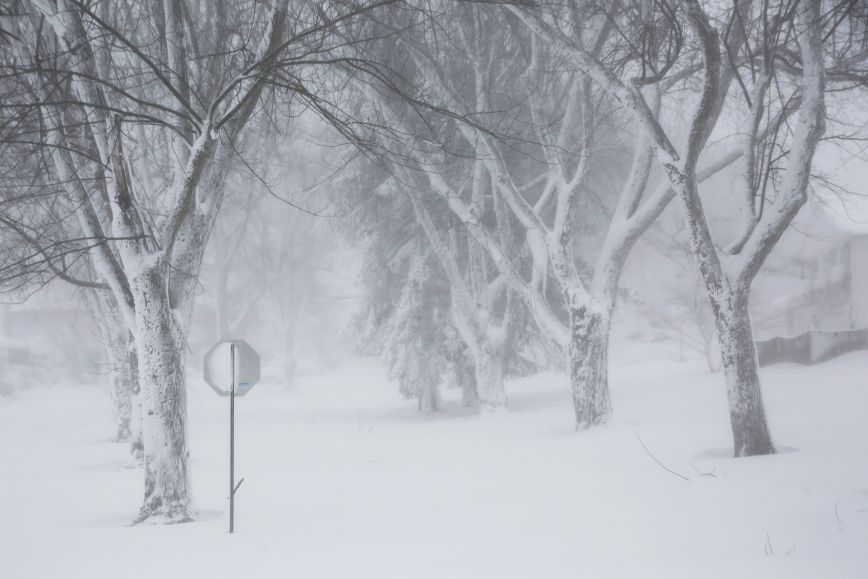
<point>290,367</point>
<point>429,397</point>
<point>121,384</point>
<point>120,349</point>
<point>164,401</point>
<point>750,430</point>
<point>137,448</point>
<point>488,368</point>
<point>115,339</point>
<point>466,375</point>
<point>588,353</point>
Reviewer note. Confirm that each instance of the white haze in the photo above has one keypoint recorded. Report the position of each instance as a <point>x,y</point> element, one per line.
<point>556,289</point>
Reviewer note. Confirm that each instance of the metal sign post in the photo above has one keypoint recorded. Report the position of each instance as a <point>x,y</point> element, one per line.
<point>232,487</point>
<point>232,369</point>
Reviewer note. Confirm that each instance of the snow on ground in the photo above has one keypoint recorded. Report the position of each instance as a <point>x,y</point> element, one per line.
<point>344,479</point>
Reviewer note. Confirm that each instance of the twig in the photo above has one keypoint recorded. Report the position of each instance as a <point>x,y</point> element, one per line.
<point>663,466</point>
<point>837,516</point>
<point>701,473</point>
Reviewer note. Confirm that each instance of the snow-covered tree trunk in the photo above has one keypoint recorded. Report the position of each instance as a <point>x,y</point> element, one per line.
<point>429,396</point>
<point>488,371</point>
<point>467,382</point>
<point>163,399</point>
<point>750,430</point>
<point>485,389</point>
<point>588,358</point>
<point>137,446</point>
<point>121,384</point>
<point>728,274</point>
<point>488,346</point>
<point>117,344</point>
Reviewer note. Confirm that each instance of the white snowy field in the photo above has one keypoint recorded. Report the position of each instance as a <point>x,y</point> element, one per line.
<point>344,479</point>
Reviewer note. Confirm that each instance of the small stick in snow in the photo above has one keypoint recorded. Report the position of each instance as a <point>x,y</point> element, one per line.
<point>663,466</point>
<point>701,473</point>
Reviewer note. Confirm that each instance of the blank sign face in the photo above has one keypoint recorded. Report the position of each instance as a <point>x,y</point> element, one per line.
<point>218,367</point>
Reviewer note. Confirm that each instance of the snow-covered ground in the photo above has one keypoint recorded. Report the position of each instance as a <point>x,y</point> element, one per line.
<point>344,479</point>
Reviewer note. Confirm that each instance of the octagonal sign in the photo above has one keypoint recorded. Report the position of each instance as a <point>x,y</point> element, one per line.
<point>219,364</point>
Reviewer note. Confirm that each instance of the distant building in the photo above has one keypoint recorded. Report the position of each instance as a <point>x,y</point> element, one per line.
<point>811,302</point>
<point>827,290</point>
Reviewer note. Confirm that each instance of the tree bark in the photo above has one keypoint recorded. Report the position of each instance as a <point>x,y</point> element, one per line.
<point>588,353</point>
<point>164,400</point>
<point>488,369</point>
<point>137,445</point>
<point>429,397</point>
<point>469,395</point>
<point>121,384</point>
<point>115,339</point>
<point>750,430</point>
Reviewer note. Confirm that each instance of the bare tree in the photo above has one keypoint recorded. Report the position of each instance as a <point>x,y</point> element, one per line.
<point>140,117</point>
<point>755,41</point>
<point>570,119</point>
